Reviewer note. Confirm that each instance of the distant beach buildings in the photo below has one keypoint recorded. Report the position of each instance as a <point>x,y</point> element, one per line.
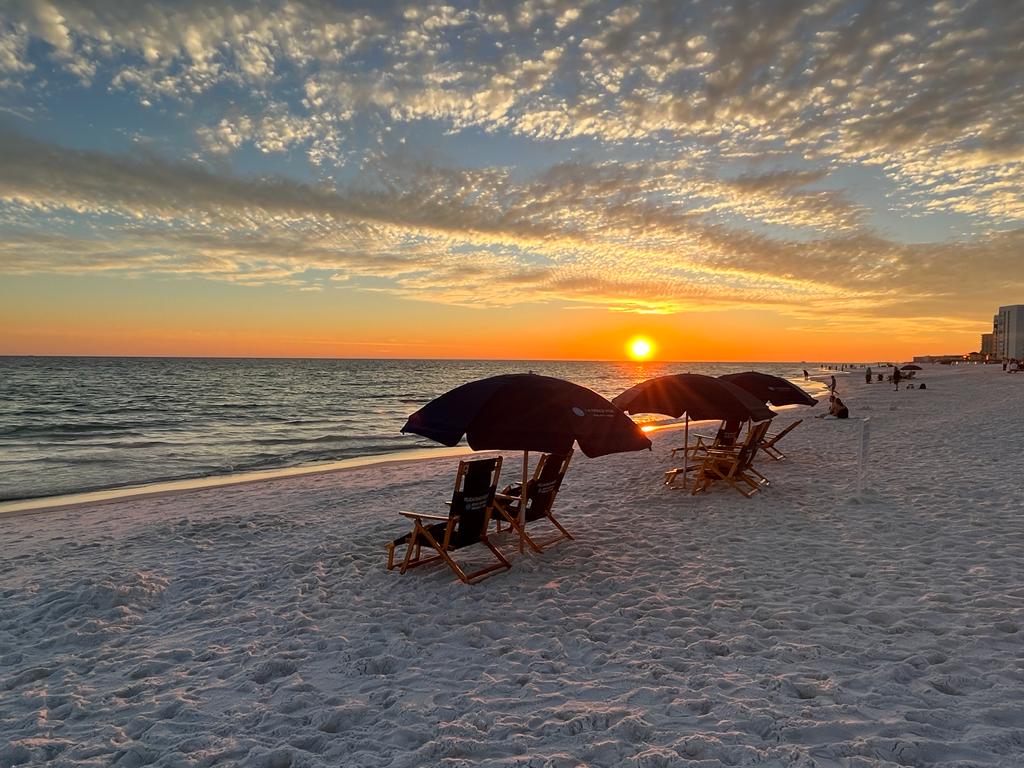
<point>1006,342</point>
<point>988,344</point>
<point>1008,332</point>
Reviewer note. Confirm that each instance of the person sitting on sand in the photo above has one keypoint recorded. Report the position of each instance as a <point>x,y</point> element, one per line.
<point>836,410</point>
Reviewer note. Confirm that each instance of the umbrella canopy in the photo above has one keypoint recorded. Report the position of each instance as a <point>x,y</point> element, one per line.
<point>698,396</point>
<point>911,367</point>
<point>527,412</point>
<point>770,389</point>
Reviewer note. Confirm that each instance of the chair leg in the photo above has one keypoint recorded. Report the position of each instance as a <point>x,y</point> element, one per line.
<point>541,546</point>
<point>558,525</point>
<point>513,525</point>
<point>502,565</point>
<point>409,547</point>
<point>760,478</point>
<point>701,482</point>
<point>524,536</point>
<point>445,556</point>
<point>739,490</point>
<point>672,474</point>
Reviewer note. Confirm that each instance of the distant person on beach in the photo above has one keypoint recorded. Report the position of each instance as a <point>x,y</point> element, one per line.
<point>896,376</point>
<point>867,375</point>
<point>808,376</point>
<point>832,385</point>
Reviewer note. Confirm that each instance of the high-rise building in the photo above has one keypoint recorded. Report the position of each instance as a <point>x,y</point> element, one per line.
<point>1008,331</point>
<point>988,346</point>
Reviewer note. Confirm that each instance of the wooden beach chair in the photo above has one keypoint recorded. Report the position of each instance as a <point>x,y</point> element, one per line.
<point>541,491</point>
<point>768,443</point>
<point>466,523</point>
<point>734,466</point>
<point>726,437</point>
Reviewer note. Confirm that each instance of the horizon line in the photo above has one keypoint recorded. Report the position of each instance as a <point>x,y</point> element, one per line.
<point>400,359</point>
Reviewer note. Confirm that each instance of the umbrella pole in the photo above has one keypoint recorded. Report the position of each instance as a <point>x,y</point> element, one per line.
<point>522,502</point>
<point>686,449</point>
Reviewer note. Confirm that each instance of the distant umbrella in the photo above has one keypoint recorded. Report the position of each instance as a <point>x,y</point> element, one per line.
<point>911,367</point>
<point>770,389</point>
<point>527,412</point>
<point>697,397</point>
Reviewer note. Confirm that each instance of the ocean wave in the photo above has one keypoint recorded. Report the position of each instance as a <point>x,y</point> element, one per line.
<point>66,429</point>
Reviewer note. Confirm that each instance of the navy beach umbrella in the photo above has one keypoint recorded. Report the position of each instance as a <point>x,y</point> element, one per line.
<point>770,389</point>
<point>694,394</point>
<point>527,412</point>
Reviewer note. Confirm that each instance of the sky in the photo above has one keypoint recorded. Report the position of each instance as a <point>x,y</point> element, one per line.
<point>748,180</point>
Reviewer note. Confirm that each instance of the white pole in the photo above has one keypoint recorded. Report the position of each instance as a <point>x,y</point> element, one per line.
<point>862,454</point>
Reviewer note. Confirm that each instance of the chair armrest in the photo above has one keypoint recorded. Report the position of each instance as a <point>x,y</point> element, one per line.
<point>424,516</point>
<point>696,441</point>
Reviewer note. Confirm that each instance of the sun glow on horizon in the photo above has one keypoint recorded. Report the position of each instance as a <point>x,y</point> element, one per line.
<point>640,348</point>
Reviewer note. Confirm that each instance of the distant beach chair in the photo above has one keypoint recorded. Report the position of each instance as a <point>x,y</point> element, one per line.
<point>541,492</point>
<point>768,443</point>
<point>726,437</point>
<point>734,465</point>
<point>466,523</point>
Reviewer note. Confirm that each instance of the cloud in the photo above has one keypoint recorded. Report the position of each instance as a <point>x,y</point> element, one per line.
<point>650,158</point>
<point>463,236</point>
<point>873,79</point>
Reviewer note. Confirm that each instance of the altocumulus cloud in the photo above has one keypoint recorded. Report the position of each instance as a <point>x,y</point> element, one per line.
<point>653,157</point>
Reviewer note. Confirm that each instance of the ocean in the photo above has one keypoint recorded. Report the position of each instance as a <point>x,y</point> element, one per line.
<point>73,424</point>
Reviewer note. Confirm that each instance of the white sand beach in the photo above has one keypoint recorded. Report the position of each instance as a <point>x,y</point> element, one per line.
<point>808,626</point>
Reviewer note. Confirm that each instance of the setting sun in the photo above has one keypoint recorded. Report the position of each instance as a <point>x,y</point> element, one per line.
<point>640,348</point>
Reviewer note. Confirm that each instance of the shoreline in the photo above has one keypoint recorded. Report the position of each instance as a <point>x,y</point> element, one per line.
<point>18,507</point>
